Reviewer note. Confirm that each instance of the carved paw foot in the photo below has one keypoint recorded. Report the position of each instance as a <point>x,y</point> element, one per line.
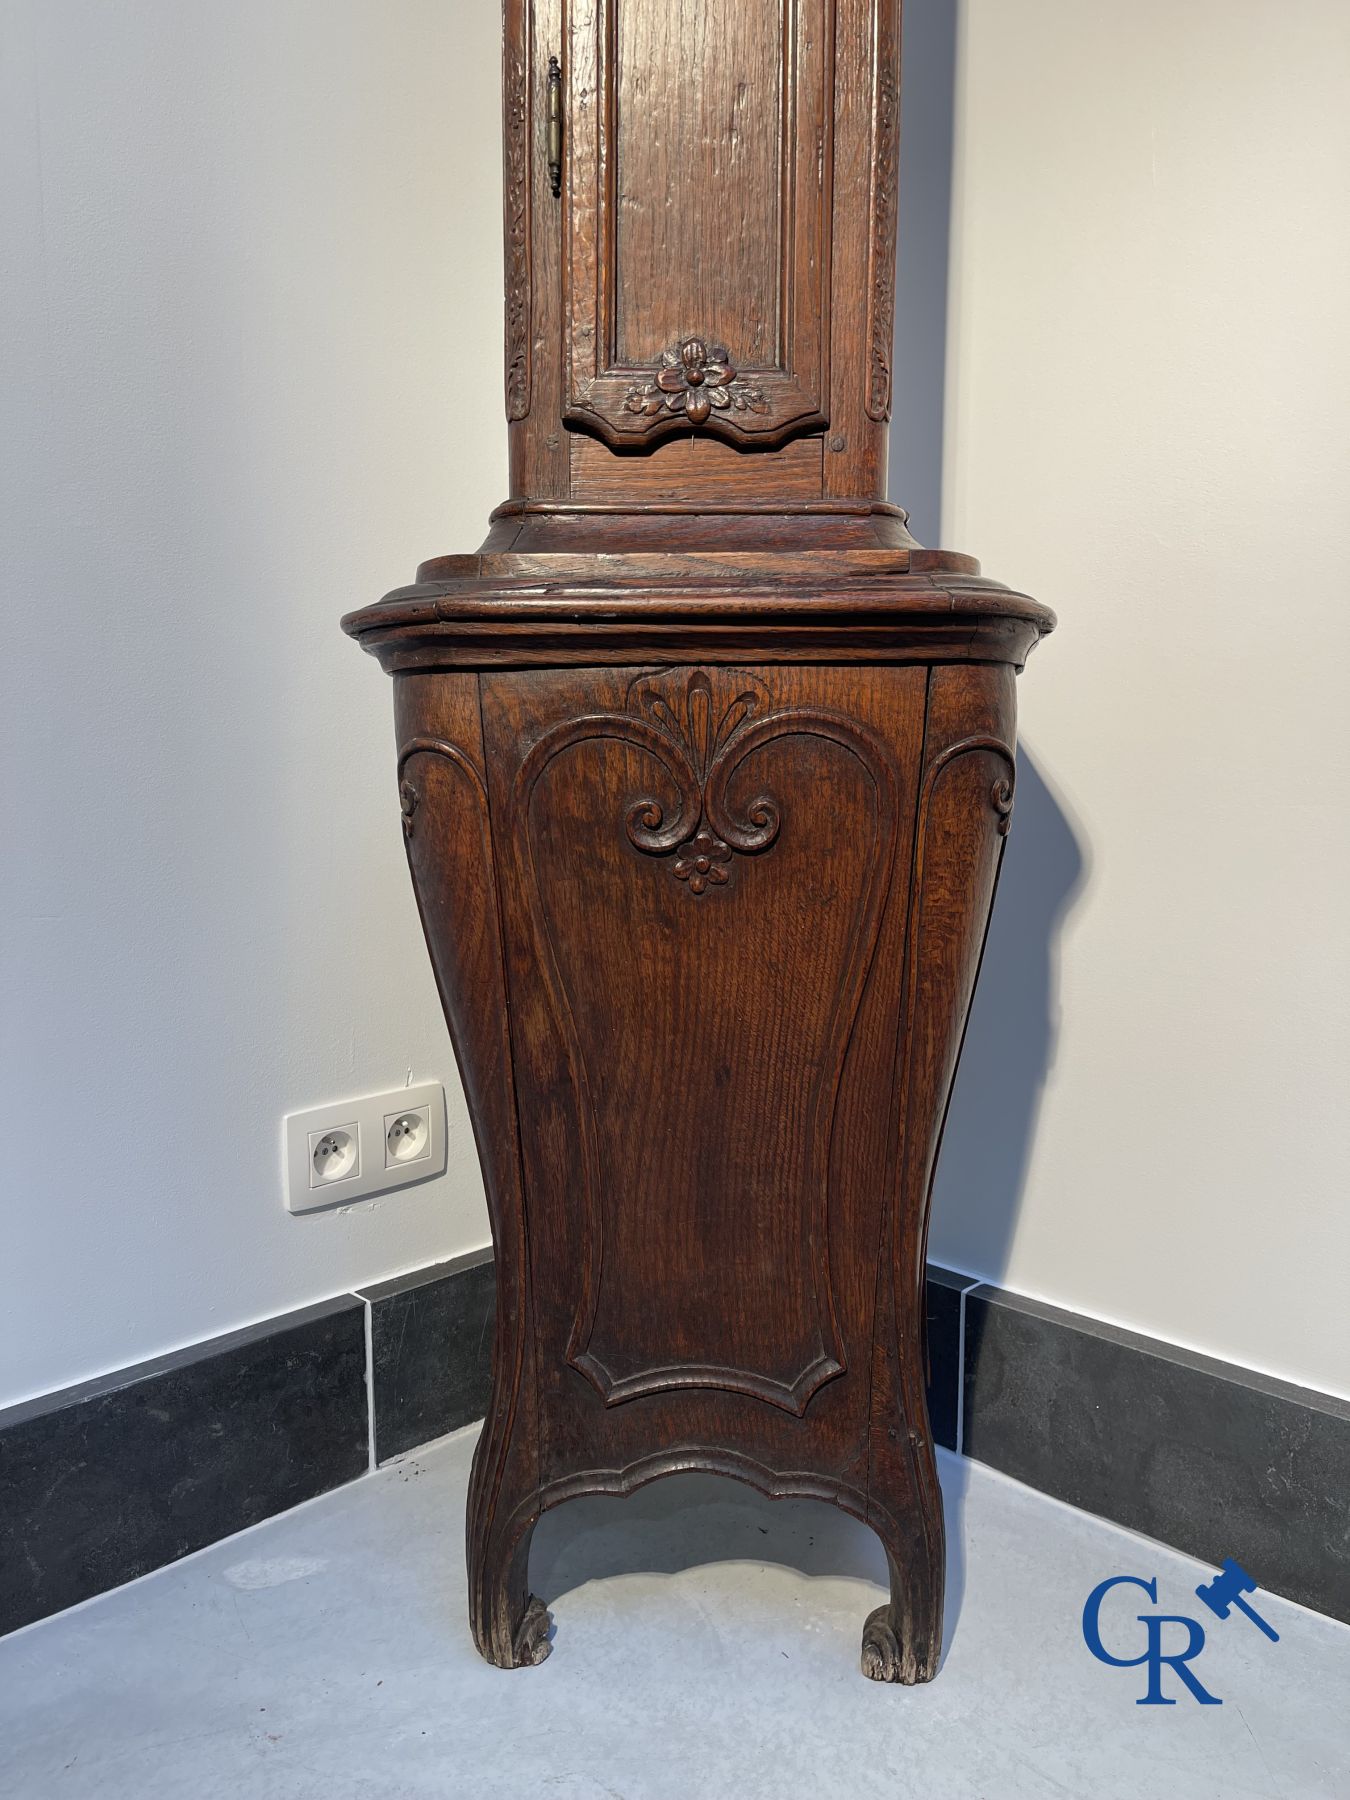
<point>530,1644</point>
<point>885,1658</point>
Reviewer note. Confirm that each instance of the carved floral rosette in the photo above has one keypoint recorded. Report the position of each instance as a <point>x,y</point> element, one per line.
<point>697,379</point>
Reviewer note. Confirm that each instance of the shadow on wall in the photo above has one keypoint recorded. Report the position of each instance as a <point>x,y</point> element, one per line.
<point>1010,1043</point>
<point>1011,1039</point>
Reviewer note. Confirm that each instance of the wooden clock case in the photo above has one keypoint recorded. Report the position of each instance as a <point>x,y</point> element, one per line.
<point>706,769</point>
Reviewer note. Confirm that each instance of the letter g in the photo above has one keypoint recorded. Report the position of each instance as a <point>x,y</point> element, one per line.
<point>1092,1626</point>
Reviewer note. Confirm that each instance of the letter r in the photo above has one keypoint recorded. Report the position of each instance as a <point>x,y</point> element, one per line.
<point>1195,1643</point>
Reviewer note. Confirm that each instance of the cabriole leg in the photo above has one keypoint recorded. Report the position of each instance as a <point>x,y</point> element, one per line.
<point>510,1626</point>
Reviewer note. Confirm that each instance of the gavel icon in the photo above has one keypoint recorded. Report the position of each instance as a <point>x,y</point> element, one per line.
<point>1226,1591</point>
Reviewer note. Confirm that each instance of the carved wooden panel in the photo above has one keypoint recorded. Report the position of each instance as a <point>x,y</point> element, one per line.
<point>647,836</point>
<point>517,194</point>
<point>697,195</point>
<point>883,209</point>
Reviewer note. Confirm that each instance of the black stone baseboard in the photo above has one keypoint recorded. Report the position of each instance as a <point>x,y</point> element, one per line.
<point>944,1291</point>
<point>431,1352</point>
<point>1211,1458</point>
<point>105,1482</point>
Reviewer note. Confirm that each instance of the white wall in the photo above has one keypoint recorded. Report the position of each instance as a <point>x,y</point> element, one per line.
<point>1148,426</point>
<point>252,256</point>
<point>251,279</point>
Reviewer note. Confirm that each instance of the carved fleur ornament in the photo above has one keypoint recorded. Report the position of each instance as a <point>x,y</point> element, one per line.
<point>696,379</point>
<point>702,742</point>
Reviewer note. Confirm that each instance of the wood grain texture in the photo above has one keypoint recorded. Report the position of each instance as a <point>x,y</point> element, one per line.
<point>689,465</point>
<point>699,94</point>
<point>701,750</point>
<point>705,770</point>
<point>854,460</point>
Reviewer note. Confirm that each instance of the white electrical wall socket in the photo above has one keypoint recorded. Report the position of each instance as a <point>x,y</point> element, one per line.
<point>355,1148</point>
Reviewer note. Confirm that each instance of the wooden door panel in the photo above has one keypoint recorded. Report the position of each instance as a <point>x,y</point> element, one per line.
<point>701,866</point>
<point>698,87</point>
<point>697,218</point>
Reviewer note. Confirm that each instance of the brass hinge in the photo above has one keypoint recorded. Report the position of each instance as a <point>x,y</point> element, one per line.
<point>555,126</point>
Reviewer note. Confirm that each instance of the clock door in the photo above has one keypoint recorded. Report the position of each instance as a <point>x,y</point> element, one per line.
<point>696,205</point>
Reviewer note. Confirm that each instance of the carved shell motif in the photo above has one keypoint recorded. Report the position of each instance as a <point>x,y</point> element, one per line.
<point>696,379</point>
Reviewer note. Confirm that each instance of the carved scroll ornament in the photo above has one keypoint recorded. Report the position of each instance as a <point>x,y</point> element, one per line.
<point>703,747</point>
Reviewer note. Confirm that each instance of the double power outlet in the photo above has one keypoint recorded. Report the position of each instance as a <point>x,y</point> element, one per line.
<point>359,1147</point>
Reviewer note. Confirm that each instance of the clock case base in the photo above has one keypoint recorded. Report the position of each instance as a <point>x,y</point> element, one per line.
<point>705,842</point>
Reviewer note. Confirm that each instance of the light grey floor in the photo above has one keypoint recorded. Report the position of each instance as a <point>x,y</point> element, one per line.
<point>706,1646</point>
